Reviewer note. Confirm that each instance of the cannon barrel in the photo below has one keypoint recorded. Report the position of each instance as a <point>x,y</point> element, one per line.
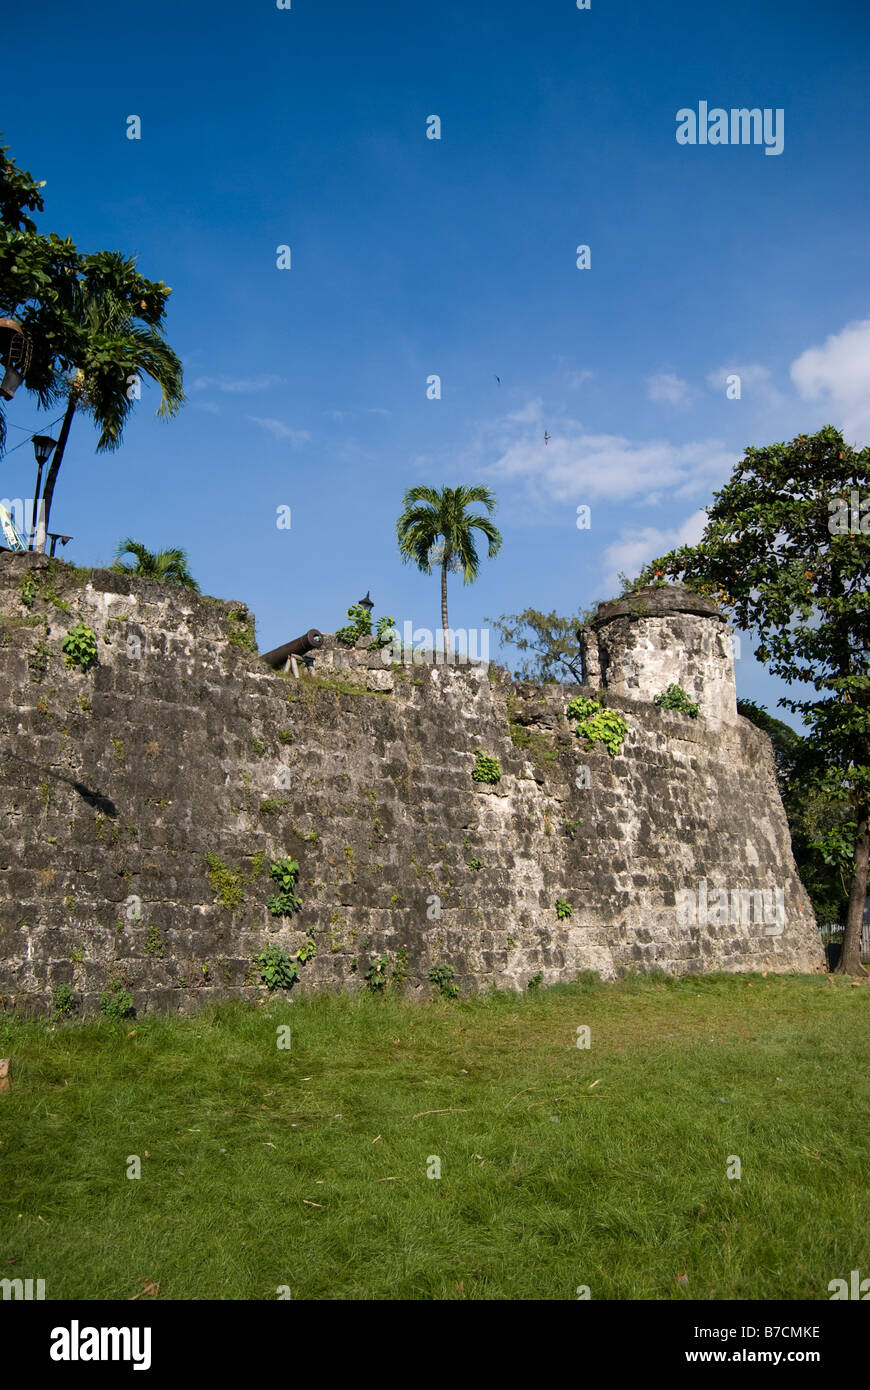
<point>300,646</point>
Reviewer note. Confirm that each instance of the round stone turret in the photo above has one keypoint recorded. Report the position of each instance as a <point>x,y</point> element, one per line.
<point>641,643</point>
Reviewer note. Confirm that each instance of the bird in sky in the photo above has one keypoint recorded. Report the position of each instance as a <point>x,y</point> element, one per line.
<point>546,437</point>
<point>498,379</point>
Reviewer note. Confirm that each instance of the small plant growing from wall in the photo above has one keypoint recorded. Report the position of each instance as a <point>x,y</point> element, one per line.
<point>563,909</point>
<point>240,629</point>
<point>376,975</point>
<point>80,647</point>
<point>676,698</point>
<point>27,591</point>
<point>154,941</point>
<point>115,1002</point>
<point>475,864</point>
<point>360,625</point>
<point>597,724</point>
<point>64,998</point>
<point>284,903</point>
<point>226,882</point>
<point>486,769</point>
<point>400,969</point>
<point>442,977</point>
<point>277,969</point>
<point>535,980</point>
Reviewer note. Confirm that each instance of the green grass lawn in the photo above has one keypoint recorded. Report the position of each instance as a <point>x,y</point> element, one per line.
<point>560,1166</point>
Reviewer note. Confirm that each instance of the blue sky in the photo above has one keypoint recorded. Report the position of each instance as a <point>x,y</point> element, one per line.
<point>412,257</point>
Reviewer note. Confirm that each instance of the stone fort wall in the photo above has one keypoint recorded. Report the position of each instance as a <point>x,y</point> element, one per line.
<point>142,802</point>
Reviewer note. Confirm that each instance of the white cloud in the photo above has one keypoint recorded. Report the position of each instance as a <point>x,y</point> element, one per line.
<point>577,378</point>
<point>839,371</point>
<point>754,379</point>
<point>635,547</point>
<point>528,414</point>
<point>575,466</point>
<point>665,386</point>
<point>281,431</point>
<point>236,385</point>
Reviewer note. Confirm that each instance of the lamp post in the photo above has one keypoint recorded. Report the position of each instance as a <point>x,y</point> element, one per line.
<point>43,448</point>
<point>366,602</point>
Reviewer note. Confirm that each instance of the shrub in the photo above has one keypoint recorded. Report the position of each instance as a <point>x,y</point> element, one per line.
<point>442,976</point>
<point>80,646</point>
<point>676,698</point>
<point>360,625</point>
<point>284,903</point>
<point>376,975</point>
<point>64,997</point>
<point>115,1002</point>
<point>277,969</point>
<point>485,769</point>
<point>597,724</point>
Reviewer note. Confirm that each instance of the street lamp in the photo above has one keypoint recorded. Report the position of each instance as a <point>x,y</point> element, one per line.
<point>366,602</point>
<point>14,357</point>
<point>43,448</point>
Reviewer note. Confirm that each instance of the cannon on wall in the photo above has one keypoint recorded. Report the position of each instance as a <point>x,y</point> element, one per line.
<point>282,658</point>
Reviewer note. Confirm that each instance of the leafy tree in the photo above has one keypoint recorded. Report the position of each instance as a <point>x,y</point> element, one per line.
<point>787,551</point>
<point>436,527</point>
<point>170,566</point>
<point>37,278</point>
<point>822,835</point>
<point>94,323</point>
<point>550,641</point>
<point>117,338</point>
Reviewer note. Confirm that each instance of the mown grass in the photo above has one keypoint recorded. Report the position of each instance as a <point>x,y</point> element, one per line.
<point>560,1166</point>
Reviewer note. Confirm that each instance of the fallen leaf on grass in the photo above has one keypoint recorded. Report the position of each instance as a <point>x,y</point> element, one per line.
<point>595,1083</point>
<point>149,1290</point>
<point>374,1141</point>
<point>311,1204</point>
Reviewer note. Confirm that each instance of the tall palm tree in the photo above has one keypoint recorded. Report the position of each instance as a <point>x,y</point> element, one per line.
<point>436,528</point>
<point>167,565</point>
<point>116,338</point>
